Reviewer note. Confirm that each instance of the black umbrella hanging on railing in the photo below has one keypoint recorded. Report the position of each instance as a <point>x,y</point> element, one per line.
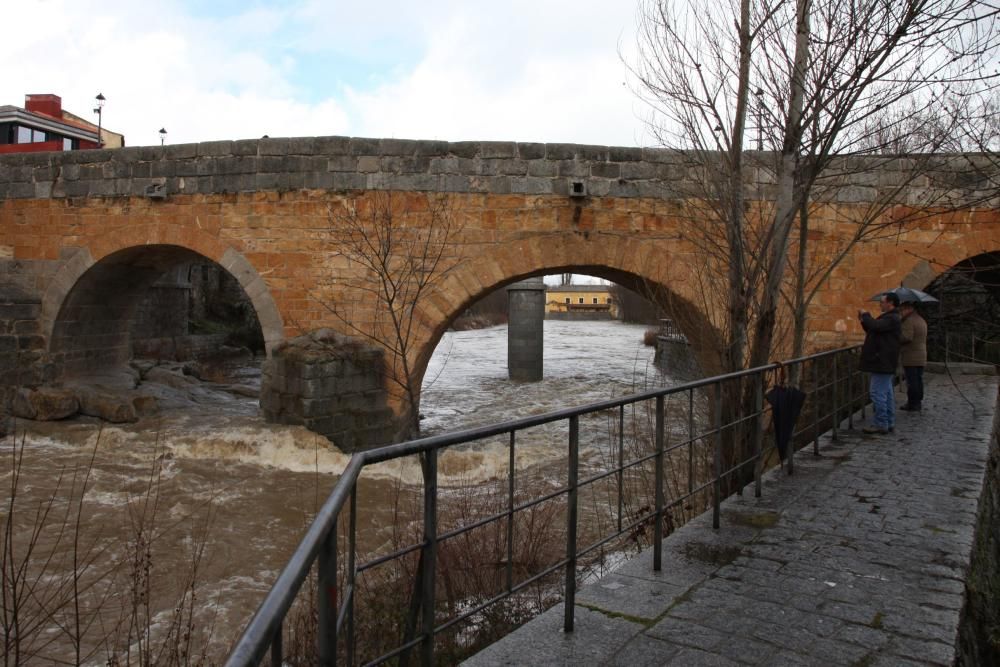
<point>786,404</point>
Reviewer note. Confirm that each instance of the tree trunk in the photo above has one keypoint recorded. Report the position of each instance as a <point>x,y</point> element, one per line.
<point>735,235</point>
<point>788,196</point>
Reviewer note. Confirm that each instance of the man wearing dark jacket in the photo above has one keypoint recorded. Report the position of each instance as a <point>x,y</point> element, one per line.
<point>879,356</point>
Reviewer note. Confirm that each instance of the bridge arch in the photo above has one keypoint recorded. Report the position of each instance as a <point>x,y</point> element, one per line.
<point>965,323</point>
<point>87,307</point>
<point>664,278</point>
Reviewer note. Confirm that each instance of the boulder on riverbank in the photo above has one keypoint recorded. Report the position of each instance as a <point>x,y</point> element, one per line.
<point>45,404</point>
<point>124,395</point>
<point>111,407</point>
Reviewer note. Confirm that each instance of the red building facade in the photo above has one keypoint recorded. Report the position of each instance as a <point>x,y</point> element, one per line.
<point>42,125</point>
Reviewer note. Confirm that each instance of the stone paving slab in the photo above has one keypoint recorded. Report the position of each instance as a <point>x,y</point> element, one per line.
<point>857,559</point>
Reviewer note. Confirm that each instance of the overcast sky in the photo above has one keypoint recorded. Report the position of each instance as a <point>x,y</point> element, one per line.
<point>525,70</point>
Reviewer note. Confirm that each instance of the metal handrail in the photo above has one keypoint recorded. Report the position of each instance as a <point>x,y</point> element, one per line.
<point>319,545</point>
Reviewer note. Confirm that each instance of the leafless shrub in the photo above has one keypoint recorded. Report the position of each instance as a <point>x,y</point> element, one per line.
<point>72,595</point>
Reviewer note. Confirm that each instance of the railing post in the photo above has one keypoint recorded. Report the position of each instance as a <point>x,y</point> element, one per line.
<point>835,394</point>
<point>717,485</point>
<point>621,464</point>
<point>428,592</point>
<point>816,398</point>
<point>851,394</point>
<point>352,544</point>
<point>510,515</point>
<point>690,440</point>
<point>790,447</point>
<point>277,657</point>
<point>571,502</point>
<point>658,513</point>
<point>326,599</point>
<point>758,435</point>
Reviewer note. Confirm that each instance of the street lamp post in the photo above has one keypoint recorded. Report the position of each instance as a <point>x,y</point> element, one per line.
<point>97,110</point>
<point>163,136</point>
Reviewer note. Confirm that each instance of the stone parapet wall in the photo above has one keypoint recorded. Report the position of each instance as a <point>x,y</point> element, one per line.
<point>487,167</point>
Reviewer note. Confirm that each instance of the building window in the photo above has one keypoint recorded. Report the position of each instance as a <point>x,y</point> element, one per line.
<point>67,144</point>
<point>595,299</point>
<point>581,299</point>
<point>28,135</point>
<point>567,301</point>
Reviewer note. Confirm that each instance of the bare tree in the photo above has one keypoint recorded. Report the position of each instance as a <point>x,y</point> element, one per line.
<point>828,78</point>
<point>402,247</point>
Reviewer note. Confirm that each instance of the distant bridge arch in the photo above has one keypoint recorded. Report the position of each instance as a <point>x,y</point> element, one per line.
<point>665,283</point>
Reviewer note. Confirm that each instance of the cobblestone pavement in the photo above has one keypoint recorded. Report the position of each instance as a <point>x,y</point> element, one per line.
<point>856,559</point>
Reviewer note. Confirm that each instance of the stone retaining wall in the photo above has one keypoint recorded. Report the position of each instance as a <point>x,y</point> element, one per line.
<point>979,632</point>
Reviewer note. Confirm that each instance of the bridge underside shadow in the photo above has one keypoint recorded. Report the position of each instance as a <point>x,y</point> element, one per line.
<point>94,328</point>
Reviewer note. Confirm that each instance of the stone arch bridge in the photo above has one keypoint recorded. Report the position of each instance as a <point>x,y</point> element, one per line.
<point>83,234</point>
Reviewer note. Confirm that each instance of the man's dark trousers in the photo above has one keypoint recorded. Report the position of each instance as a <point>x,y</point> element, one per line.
<point>914,385</point>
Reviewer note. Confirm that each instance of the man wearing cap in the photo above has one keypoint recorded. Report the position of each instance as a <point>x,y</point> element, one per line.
<point>879,356</point>
<point>913,354</point>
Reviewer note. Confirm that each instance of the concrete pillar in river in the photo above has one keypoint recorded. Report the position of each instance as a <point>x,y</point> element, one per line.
<point>526,304</point>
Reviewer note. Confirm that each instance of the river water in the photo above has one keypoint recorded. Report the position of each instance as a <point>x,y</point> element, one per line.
<point>208,476</point>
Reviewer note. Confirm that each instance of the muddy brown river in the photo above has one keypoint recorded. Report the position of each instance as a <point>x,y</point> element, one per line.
<point>208,482</point>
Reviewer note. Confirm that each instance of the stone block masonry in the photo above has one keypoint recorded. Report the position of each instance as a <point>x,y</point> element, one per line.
<point>979,633</point>
<point>331,384</point>
<point>525,330</point>
<point>86,232</point>
<point>483,167</point>
<point>23,360</point>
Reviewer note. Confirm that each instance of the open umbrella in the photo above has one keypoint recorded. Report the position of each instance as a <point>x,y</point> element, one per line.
<point>907,295</point>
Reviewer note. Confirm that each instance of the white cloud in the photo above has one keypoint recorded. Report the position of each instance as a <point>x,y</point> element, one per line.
<point>527,71</point>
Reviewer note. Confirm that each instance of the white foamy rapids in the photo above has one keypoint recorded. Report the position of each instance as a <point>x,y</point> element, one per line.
<point>292,448</point>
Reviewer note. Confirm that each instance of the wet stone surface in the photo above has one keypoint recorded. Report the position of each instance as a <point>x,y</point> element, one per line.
<point>859,558</point>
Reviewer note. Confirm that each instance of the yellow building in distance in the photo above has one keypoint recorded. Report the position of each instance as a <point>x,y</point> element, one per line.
<point>580,302</point>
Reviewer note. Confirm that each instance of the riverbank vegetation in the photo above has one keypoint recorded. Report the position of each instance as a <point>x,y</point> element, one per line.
<point>74,593</point>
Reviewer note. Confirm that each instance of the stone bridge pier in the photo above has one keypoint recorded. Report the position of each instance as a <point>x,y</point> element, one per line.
<point>84,234</point>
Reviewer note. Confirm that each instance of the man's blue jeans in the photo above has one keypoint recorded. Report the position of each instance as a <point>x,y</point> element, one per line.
<point>883,401</point>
